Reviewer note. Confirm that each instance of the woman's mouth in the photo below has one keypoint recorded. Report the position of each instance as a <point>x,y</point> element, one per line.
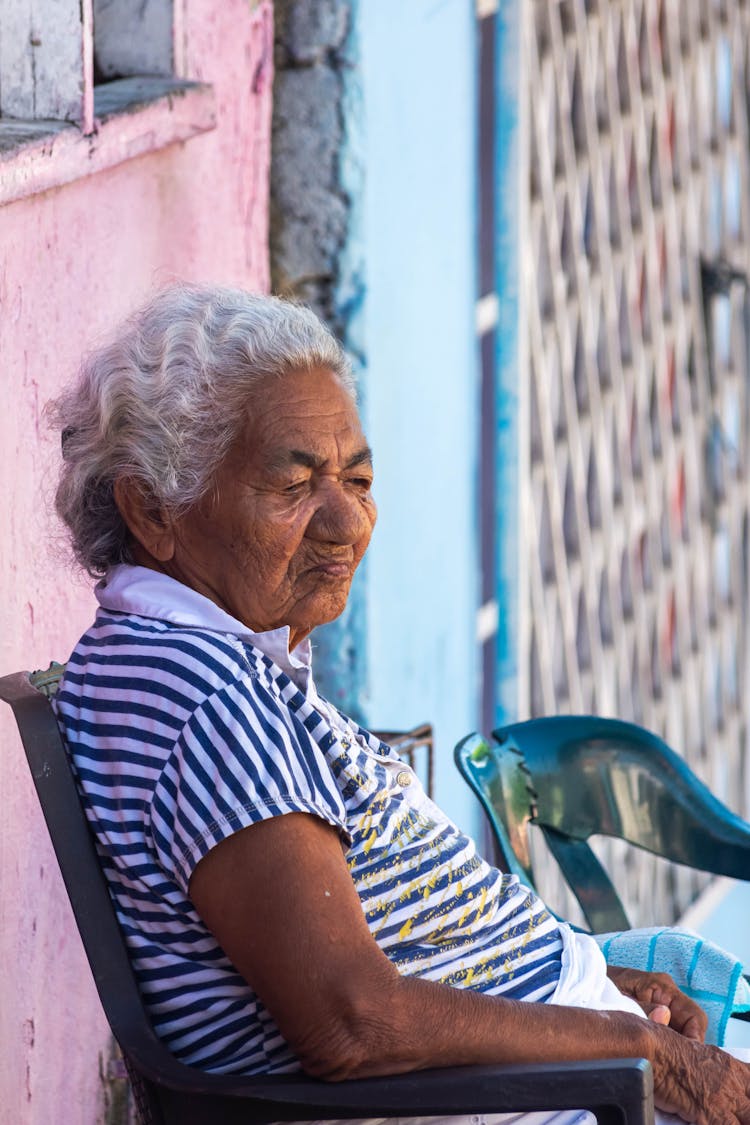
<point>333,569</point>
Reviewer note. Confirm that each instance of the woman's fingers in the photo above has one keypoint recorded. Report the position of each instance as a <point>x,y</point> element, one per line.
<point>658,1013</point>
<point>652,989</point>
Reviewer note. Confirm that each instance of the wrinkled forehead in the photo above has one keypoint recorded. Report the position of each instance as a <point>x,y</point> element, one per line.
<point>303,417</point>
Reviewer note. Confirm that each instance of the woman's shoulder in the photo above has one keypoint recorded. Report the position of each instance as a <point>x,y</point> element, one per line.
<point>129,648</point>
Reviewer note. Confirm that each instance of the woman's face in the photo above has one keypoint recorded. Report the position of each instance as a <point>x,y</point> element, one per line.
<point>281,534</point>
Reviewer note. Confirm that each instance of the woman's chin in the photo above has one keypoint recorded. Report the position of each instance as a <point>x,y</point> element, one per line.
<point>329,605</point>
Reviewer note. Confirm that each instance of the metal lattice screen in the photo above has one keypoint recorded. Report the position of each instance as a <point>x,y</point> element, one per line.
<point>636,489</point>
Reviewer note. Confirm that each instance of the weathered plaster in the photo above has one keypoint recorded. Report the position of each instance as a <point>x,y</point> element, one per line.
<point>134,116</point>
<point>132,38</point>
<point>309,207</point>
<point>41,59</point>
<point>317,186</point>
<point>74,260</point>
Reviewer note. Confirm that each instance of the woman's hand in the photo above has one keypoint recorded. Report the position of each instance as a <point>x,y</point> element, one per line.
<point>698,1082</point>
<point>661,1000</point>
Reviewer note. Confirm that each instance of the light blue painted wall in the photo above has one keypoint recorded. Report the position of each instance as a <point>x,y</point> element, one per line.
<point>418,234</point>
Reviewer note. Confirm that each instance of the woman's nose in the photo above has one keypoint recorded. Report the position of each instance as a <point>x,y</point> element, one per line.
<point>344,515</point>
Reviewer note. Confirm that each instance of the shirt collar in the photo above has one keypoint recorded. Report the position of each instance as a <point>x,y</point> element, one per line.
<point>148,593</point>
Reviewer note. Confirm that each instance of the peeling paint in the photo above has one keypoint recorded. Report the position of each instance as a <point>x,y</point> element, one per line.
<point>116,1092</point>
<point>42,73</point>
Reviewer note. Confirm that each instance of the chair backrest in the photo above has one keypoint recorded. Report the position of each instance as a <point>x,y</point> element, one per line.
<point>578,776</point>
<point>169,1093</point>
<point>28,695</point>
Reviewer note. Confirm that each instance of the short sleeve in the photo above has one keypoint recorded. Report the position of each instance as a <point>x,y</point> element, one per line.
<point>242,757</point>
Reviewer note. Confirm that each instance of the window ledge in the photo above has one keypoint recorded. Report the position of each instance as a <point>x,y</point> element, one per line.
<point>132,116</point>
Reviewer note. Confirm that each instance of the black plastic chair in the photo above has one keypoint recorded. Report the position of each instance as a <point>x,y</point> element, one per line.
<point>577,776</point>
<point>619,1091</point>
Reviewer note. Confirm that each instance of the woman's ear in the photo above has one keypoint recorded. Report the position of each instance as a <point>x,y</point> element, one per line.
<point>150,527</point>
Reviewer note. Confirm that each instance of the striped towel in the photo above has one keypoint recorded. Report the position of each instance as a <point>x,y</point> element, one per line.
<point>709,975</point>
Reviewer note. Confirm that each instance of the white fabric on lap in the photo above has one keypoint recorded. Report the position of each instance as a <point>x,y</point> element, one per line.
<point>583,979</point>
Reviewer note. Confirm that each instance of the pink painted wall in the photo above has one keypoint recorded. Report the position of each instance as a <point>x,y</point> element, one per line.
<point>72,262</point>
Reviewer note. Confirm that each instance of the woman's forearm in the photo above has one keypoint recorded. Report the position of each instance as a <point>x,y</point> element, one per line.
<point>410,1024</point>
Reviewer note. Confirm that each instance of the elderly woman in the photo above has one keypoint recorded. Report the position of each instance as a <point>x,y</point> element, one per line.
<point>289,894</point>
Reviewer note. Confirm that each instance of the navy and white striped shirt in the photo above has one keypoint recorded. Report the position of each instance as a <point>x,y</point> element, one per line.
<point>185,728</point>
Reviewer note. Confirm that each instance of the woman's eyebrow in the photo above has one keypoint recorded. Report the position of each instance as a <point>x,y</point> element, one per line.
<point>309,460</point>
<point>363,456</point>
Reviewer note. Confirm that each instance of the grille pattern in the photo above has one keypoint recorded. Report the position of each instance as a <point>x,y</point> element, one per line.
<point>636,402</point>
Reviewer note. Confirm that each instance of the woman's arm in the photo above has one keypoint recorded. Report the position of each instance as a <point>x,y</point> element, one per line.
<point>279,899</point>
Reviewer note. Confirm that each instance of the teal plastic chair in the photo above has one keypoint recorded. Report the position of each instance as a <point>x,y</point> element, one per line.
<point>578,776</point>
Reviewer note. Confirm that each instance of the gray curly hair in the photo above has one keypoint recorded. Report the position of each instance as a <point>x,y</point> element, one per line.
<point>165,399</point>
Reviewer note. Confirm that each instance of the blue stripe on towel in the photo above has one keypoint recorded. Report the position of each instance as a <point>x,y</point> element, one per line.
<point>708,974</point>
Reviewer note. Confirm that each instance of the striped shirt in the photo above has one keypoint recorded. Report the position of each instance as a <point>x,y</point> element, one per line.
<point>185,728</point>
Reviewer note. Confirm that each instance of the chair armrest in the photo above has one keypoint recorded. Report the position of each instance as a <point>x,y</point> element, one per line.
<point>619,1090</point>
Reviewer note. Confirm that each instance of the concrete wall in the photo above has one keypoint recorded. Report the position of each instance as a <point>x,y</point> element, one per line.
<point>317,251</point>
<point>73,261</point>
<point>315,47</point>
